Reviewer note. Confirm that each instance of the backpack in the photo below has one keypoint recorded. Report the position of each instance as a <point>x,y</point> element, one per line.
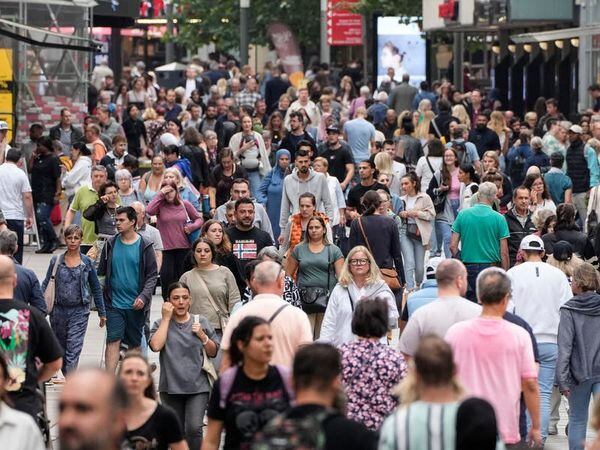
<point>285,433</point>
<point>461,152</point>
<point>517,166</point>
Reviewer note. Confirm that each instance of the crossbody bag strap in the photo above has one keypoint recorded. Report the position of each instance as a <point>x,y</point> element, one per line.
<point>328,265</point>
<point>362,230</point>
<point>276,313</point>
<point>210,297</point>
<point>435,127</point>
<point>350,297</point>
<point>430,166</point>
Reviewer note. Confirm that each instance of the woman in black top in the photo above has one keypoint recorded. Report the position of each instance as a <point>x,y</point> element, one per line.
<point>378,233</point>
<point>221,179</point>
<point>149,424</point>
<point>567,230</point>
<point>135,131</point>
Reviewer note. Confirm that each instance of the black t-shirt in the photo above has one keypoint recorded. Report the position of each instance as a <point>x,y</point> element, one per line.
<point>337,159</point>
<point>247,244</point>
<point>223,183</point>
<point>25,335</point>
<point>160,430</point>
<point>45,170</point>
<point>250,405</point>
<point>340,433</point>
<point>134,130</point>
<point>358,191</point>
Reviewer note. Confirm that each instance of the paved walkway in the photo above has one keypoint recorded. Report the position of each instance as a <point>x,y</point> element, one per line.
<point>93,354</point>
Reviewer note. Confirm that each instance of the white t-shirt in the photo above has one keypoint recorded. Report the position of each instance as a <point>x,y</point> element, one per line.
<point>538,292</point>
<point>424,172</point>
<point>13,184</point>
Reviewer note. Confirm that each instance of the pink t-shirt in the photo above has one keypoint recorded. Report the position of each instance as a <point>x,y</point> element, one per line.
<point>492,357</point>
<point>454,192</point>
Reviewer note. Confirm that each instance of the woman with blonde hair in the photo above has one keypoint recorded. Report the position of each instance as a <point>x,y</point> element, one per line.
<point>497,123</point>
<point>431,385</point>
<point>359,279</point>
<point>422,129</point>
<point>385,165</point>
<point>460,112</point>
<point>222,87</point>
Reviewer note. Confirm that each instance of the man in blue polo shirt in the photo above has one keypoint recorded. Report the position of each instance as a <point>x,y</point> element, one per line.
<point>484,236</point>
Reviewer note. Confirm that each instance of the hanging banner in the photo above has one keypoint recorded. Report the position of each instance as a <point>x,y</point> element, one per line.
<point>288,51</point>
<point>6,89</point>
<point>343,26</point>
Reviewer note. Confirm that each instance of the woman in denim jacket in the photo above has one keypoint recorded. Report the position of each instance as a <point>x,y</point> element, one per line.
<point>75,283</point>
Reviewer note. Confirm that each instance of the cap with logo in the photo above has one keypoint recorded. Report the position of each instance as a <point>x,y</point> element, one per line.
<point>432,265</point>
<point>532,242</point>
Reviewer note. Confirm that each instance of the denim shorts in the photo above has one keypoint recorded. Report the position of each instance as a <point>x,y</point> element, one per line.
<point>125,325</point>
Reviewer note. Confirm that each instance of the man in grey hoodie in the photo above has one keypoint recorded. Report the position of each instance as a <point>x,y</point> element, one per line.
<point>304,179</point>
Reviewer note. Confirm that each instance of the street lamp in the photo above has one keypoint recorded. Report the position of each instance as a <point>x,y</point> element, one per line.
<point>244,30</point>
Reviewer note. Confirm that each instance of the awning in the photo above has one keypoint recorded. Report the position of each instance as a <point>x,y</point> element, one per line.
<point>555,35</point>
<point>45,38</point>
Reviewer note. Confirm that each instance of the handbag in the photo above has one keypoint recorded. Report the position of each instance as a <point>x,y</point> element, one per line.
<point>223,316</point>
<point>438,198</point>
<point>413,232</point>
<point>390,276</point>
<point>314,299</point>
<point>194,234</point>
<point>207,366</point>
<point>50,292</point>
<point>592,218</point>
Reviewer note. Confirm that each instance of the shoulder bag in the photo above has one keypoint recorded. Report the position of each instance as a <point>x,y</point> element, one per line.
<point>592,218</point>
<point>194,234</point>
<point>223,316</point>
<point>439,198</point>
<point>50,292</point>
<point>390,276</point>
<point>314,299</point>
<point>412,229</point>
<point>207,365</point>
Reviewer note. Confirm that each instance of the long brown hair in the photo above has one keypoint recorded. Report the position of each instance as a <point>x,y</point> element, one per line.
<point>150,391</point>
<point>446,175</point>
<point>177,199</point>
<point>225,246</point>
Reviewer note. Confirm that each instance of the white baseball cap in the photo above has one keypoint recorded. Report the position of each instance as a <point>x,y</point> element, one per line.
<point>432,265</point>
<point>3,125</point>
<point>532,242</point>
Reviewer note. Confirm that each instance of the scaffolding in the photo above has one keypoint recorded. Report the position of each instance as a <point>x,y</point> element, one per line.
<point>51,47</point>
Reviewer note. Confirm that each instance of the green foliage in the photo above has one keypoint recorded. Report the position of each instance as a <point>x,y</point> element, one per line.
<point>220,22</point>
<point>410,8</point>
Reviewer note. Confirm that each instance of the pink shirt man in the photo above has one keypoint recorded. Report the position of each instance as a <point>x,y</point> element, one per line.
<point>492,356</point>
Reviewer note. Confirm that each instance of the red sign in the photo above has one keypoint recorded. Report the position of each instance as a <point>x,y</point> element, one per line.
<point>343,26</point>
<point>448,10</point>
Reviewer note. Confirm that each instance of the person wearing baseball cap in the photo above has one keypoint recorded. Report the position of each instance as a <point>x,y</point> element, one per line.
<point>338,155</point>
<point>4,146</point>
<point>583,169</point>
<point>428,291</point>
<point>538,292</point>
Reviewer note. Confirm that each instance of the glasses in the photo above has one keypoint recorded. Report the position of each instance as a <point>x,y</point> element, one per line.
<point>359,262</point>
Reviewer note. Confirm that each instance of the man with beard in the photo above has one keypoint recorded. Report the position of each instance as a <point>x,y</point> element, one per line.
<point>338,155</point>
<point>388,126</point>
<point>297,134</point>
<point>92,411</point>
<point>247,240</point>
<point>484,138</point>
<point>210,118</point>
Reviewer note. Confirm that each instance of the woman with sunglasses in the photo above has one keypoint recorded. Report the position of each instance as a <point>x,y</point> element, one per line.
<point>360,279</point>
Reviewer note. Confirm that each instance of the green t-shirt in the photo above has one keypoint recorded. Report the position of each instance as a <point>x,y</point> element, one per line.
<point>481,229</point>
<point>312,267</point>
<point>84,198</point>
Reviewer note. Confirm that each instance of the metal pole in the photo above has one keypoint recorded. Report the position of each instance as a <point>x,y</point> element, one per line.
<point>458,60</point>
<point>244,30</point>
<point>170,45</point>
<point>325,49</point>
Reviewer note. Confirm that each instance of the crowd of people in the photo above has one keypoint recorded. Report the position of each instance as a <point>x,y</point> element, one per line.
<point>404,269</point>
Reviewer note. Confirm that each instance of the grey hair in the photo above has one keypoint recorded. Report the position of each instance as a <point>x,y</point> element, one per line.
<point>493,284</point>
<point>487,191</point>
<point>140,204</point>
<point>536,142</point>
<point>270,252</point>
<point>266,273</point>
<point>8,242</point>
<point>123,173</point>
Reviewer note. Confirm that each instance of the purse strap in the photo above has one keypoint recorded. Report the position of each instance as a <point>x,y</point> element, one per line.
<point>210,297</point>
<point>430,166</point>
<point>328,266</point>
<point>57,262</point>
<point>362,230</point>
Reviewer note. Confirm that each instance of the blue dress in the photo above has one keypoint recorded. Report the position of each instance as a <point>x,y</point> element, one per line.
<point>270,192</point>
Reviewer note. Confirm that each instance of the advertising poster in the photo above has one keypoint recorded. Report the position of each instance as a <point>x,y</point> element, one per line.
<point>402,47</point>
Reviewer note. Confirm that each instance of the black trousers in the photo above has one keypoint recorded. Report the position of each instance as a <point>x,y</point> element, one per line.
<point>172,268</point>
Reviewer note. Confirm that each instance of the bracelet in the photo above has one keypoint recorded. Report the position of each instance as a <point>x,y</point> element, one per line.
<point>205,342</point>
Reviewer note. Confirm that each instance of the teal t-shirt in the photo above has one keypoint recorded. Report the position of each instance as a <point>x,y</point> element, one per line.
<point>312,267</point>
<point>125,273</point>
<point>481,229</point>
<point>558,183</point>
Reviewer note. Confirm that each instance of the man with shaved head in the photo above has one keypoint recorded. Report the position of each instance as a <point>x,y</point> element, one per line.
<point>26,337</point>
<point>289,325</point>
<point>449,308</point>
<point>92,411</point>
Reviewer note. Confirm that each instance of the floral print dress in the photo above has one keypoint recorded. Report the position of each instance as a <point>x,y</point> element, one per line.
<point>370,371</point>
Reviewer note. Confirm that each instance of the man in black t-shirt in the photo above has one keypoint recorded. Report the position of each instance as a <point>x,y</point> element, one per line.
<point>26,337</point>
<point>338,155</point>
<point>246,239</point>
<point>366,172</point>
<point>317,383</point>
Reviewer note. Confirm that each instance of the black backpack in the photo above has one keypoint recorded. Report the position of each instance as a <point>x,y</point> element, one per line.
<point>461,152</point>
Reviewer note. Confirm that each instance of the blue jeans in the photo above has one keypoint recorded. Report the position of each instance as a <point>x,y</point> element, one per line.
<point>255,179</point>
<point>579,402</point>
<point>472,271</point>
<point>548,354</point>
<point>45,228</point>
<point>413,253</point>
<point>443,233</point>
